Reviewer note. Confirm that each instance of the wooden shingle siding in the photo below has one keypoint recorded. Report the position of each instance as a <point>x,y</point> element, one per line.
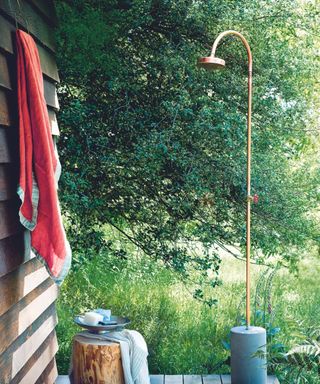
<point>28,342</point>
<point>5,78</point>
<point>43,358</point>
<point>11,253</point>
<point>7,187</point>
<point>9,219</point>
<point>6,106</point>
<point>5,144</point>
<point>46,8</point>
<point>21,281</point>
<point>48,63</point>
<point>49,374</point>
<point>25,16</point>
<point>7,66</point>
<point>22,314</point>
<point>27,349</point>
<point>54,122</point>
<point>50,94</point>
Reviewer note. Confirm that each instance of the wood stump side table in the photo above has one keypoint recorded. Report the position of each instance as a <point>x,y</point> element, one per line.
<point>95,361</point>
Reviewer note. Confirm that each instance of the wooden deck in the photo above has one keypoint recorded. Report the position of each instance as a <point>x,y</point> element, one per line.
<point>184,379</point>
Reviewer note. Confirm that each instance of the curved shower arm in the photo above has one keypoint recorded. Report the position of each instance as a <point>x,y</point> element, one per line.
<point>249,197</point>
<point>242,38</point>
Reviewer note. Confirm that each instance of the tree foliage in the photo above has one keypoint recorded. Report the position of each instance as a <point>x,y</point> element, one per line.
<point>156,148</point>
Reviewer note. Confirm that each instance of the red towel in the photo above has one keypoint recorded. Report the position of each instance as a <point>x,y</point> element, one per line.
<point>39,164</point>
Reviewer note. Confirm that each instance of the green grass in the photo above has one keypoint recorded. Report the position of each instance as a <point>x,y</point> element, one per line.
<point>183,335</point>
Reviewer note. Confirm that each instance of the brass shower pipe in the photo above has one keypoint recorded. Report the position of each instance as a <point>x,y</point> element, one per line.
<point>210,63</point>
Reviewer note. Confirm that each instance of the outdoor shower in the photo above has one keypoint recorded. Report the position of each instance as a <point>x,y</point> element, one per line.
<point>245,340</point>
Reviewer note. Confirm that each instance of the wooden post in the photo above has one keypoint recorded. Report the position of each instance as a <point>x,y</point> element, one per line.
<point>95,361</point>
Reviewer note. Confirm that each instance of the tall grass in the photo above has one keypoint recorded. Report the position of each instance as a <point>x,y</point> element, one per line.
<point>183,335</point>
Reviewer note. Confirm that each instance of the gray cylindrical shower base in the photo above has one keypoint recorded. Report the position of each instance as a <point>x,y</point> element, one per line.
<point>245,367</point>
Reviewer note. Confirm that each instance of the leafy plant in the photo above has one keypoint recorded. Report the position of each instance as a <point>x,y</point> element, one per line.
<point>299,364</point>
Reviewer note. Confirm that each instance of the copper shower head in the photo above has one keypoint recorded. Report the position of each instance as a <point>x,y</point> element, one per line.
<point>211,62</point>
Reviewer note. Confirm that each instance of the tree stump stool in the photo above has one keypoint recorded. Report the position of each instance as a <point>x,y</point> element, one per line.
<point>95,361</point>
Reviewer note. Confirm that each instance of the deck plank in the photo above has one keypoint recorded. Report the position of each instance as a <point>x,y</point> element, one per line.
<point>186,379</point>
<point>272,380</point>
<point>157,379</point>
<point>211,379</point>
<point>173,379</point>
<point>225,379</point>
<point>63,379</point>
<point>192,379</point>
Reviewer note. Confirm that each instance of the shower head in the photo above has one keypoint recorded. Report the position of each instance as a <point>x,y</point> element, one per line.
<point>211,63</point>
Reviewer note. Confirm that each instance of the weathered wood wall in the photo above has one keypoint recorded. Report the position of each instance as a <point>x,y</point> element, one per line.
<point>27,294</point>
